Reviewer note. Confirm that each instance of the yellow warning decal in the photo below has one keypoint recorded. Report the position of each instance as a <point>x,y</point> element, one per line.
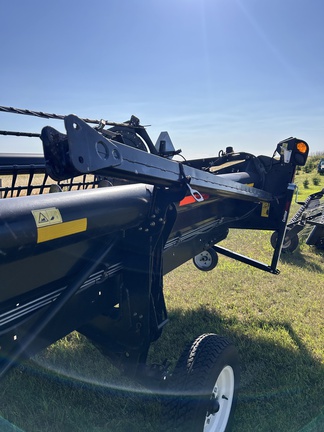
<point>51,232</point>
<point>50,224</point>
<point>48,216</point>
<point>265,209</point>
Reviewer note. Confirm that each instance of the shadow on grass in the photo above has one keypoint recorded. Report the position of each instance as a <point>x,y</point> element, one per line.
<point>297,258</point>
<point>282,384</point>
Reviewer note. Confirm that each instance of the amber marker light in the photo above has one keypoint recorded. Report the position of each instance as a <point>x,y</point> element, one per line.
<point>302,147</point>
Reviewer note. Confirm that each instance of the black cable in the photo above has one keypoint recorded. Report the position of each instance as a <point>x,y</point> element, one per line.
<point>56,116</point>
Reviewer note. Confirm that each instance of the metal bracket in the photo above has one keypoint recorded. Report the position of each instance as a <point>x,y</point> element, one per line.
<point>86,150</point>
<point>97,151</point>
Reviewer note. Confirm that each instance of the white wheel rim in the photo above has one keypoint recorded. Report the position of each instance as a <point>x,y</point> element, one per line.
<point>203,260</point>
<point>223,392</point>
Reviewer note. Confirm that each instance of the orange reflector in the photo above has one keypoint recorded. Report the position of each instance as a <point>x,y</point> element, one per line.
<point>302,147</point>
<point>189,199</point>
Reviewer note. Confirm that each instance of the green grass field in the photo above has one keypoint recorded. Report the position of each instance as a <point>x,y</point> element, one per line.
<point>276,322</point>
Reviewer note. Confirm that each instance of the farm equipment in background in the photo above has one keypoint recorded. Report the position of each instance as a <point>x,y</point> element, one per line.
<point>320,168</point>
<point>310,219</point>
<point>91,257</point>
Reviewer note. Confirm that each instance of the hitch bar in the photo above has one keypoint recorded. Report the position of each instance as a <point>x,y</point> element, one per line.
<point>272,268</point>
<point>246,260</point>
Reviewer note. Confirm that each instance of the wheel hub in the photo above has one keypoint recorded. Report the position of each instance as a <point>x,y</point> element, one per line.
<point>213,406</point>
<point>220,402</point>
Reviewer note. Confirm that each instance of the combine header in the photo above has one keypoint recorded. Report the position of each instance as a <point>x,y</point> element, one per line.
<point>309,215</point>
<point>92,256</point>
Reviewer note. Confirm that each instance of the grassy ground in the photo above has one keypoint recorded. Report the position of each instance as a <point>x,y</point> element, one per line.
<point>276,322</point>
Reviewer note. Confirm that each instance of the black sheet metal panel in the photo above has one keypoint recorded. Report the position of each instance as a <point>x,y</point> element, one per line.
<point>46,237</point>
<point>31,324</point>
<point>56,264</point>
<point>28,221</point>
<point>49,243</point>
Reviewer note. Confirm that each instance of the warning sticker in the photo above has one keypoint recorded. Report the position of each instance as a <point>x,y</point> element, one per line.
<point>48,216</point>
<point>59,230</point>
<point>265,209</point>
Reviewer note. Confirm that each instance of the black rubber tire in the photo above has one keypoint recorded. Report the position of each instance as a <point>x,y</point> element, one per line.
<point>190,399</point>
<point>206,260</point>
<point>289,244</point>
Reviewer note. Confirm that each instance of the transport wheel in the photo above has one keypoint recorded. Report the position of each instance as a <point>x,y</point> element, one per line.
<point>289,244</point>
<point>203,387</point>
<point>206,260</point>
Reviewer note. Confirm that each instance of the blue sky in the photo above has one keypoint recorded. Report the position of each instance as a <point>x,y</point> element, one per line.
<point>213,73</point>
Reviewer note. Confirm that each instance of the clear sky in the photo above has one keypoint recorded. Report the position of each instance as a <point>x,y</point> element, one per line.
<point>213,73</point>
